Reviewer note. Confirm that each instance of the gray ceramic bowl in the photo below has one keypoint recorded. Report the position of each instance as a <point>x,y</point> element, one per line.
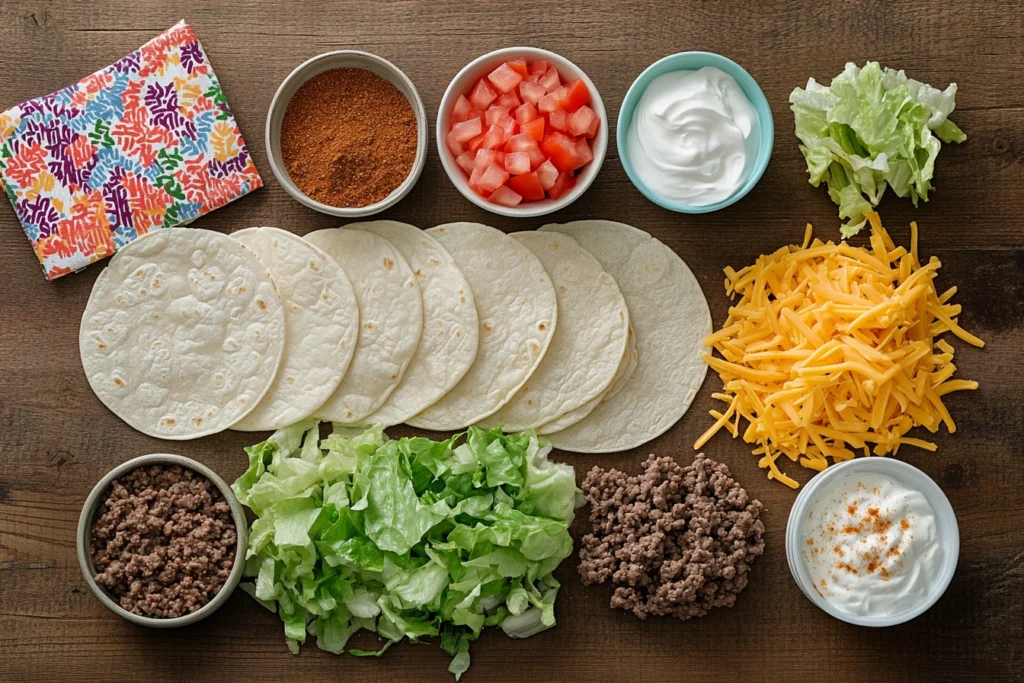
<point>96,498</point>
<point>342,59</point>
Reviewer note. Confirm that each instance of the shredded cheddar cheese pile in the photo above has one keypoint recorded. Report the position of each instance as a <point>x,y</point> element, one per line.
<point>831,350</point>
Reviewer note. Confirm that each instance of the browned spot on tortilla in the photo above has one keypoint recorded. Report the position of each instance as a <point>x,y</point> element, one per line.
<point>394,376</point>
<point>138,273</point>
<point>210,275</point>
<point>275,242</point>
<point>622,316</point>
<point>156,284</point>
<point>169,421</point>
<point>488,327</point>
<point>142,291</point>
<point>388,262</point>
<point>561,288</point>
<point>290,380</point>
<point>542,326</point>
<point>197,421</point>
<point>261,304</point>
<point>556,245</point>
<point>419,272</point>
<point>435,262</point>
<point>119,382</point>
<point>101,346</point>
<point>324,296</point>
<point>369,326</point>
<point>534,347</point>
<point>314,266</point>
<point>529,402</point>
<point>458,333</point>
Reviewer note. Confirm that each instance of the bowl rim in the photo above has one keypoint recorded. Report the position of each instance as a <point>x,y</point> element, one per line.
<point>422,128</point>
<point>750,88</point>
<point>532,209</point>
<point>95,498</point>
<point>908,475</point>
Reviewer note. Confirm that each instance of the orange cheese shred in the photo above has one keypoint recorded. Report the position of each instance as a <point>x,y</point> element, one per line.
<point>831,350</point>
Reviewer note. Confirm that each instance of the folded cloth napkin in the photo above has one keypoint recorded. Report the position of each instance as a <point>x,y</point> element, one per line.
<point>148,142</point>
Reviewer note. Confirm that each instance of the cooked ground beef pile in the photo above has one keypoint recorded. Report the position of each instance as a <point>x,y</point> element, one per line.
<point>674,540</point>
<point>163,541</point>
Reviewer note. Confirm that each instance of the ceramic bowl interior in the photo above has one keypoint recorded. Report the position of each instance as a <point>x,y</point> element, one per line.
<point>352,59</point>
<point>691,61</point>
<point>910,476</point>
<point>96,498</point>
<point>463,82</point>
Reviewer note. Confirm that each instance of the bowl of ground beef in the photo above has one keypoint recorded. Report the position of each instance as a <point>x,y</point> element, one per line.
<point>161,541</point>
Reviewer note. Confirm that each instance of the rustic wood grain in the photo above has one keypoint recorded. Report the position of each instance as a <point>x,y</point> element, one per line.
<point>57,439</point>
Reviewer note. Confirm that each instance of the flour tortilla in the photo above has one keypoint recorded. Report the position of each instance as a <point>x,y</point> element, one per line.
<point>183,333</point>
<point>390,315</point>
<point>626,368</point>
<point>322,323</point>
<point>450,337</point>
<point>589,342</point>
<point>670,317</point>
<point>518,311</point>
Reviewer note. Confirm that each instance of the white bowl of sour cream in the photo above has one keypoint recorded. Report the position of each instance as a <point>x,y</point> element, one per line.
<point>872,541</point>
<point>695,132</point>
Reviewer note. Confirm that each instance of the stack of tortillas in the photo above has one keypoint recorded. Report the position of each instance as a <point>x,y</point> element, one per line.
<point>589,332</point>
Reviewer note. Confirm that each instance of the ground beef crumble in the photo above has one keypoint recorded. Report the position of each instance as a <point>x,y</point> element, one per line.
<point>163,542</point>
<point>673,540</point>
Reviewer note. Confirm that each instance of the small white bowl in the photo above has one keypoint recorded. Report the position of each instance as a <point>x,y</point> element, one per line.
<point>344,59</point>
<point>463,82</point>
<point>909,476</point>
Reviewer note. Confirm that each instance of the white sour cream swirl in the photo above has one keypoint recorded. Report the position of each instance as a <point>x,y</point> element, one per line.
<point>693,136</point>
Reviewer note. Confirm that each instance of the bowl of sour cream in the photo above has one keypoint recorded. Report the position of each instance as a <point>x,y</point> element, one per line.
<point>872,541</point>
<point>695,132</point>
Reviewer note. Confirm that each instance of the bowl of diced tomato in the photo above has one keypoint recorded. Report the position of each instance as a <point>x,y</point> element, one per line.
<point>522,131</point>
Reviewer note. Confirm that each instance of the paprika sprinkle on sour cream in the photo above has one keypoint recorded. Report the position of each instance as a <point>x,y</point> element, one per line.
<point>348,138</point>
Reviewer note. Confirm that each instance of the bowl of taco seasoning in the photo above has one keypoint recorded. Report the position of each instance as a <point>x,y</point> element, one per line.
<point>347,134</point>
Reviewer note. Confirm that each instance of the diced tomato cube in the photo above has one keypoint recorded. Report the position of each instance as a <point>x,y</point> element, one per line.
<point>474,178</point>
<point>492,178</point>
<point>484,158</point>
<point>584,155</point>
<point>510,100</point>
<point>454,145</point>
<point>547,174</point>
<point>519,65</point>
<point>465,130</point>
<point>494,138</point>
<point>548,103</point>
<point>494,114</point>
<point>577,96</point>
<point>527,185</point>
<point>564,183</point>
<point>550,80</point>
<point>475,113</point>
<point>539,68</point>
<point>559,120</point>
<point>594,126</point>
<point>505,78</point>
<point>509,127</point>
<point>473,145</point>
<point>460,112</point>
<point>465,161</point>
<point>526,113</point>
<point>482,95</point>
<point>531,92</point>
<point>560,150</point>
<point>535,129</point>
<point>536,157</point>
<point>521,143</point>
<point>506,197</point>
<point>517,163</point>
<point>499,158</point>
<point>580,120</point>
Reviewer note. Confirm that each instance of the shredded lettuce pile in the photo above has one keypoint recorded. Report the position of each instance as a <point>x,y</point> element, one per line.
<point>408,538</point>
<point>870,129</point>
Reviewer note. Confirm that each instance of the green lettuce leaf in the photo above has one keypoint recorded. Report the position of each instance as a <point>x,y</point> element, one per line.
<point>410,538</point>
<point>869,130</point>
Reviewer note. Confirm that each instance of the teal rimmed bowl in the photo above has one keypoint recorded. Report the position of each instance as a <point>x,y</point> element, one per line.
<point>691,61</point>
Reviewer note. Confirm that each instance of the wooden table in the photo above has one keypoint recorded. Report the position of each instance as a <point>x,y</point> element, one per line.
<point>57,440</point>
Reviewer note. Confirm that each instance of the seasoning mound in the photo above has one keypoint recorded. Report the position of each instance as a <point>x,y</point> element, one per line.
<point>164,541</point>
<point>348,138</point>
<point>674,541</point>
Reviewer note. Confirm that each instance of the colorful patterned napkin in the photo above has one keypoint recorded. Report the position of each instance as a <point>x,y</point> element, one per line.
<point>149,142</point>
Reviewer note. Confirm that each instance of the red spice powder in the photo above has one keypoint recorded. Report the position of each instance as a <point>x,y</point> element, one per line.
<point>348,138</point>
